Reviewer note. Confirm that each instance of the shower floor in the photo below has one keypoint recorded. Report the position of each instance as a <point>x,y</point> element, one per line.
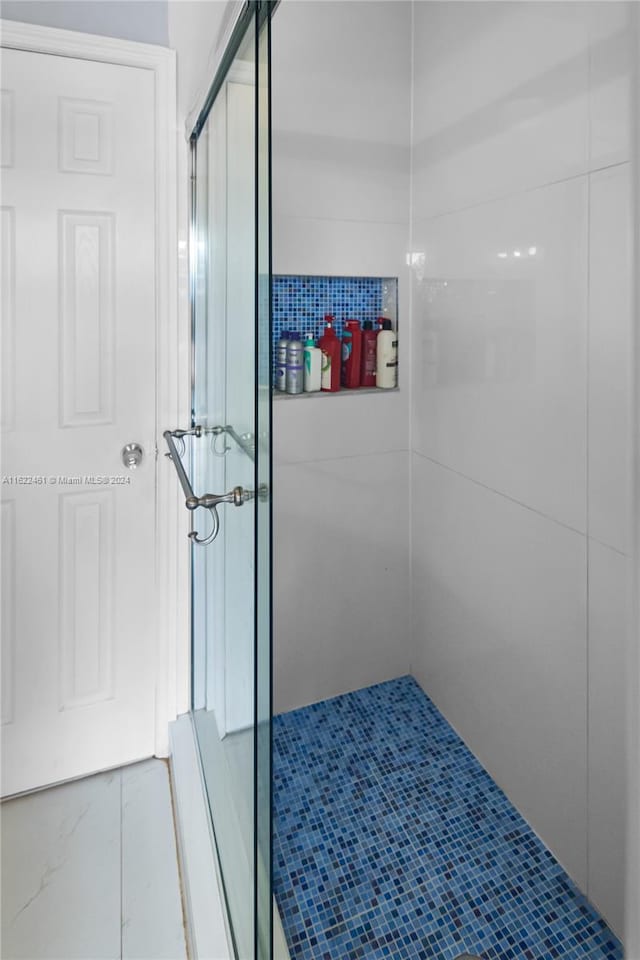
<point>391,840</point>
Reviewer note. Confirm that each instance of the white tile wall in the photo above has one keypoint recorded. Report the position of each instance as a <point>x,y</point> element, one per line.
<point>339,247</point>
<point>318,428</point>
<point>500,613</point>
<point>341,207</point>
<point>610,336</point>
<point>609,573</point>
<point>500,351</point>
<point>521,383</point>
<point>326,177</point>
<point>519,396</point>
<point>500,100</point>
<point>341,569</point>
<point>610,59</point>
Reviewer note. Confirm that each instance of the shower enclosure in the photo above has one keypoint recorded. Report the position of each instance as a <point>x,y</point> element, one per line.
<point>227,474</point>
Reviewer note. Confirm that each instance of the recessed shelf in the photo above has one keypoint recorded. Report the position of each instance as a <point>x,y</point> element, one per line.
<point>300,304</point>
<point>360,391</point>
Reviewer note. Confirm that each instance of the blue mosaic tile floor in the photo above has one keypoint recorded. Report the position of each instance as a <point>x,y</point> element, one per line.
<point>391,841</point>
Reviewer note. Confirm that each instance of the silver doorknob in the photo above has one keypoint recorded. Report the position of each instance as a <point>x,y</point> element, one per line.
<point>132,454</point>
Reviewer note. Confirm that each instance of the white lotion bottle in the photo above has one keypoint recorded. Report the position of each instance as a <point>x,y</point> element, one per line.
<point>312,365</point>
<point>387,357</point>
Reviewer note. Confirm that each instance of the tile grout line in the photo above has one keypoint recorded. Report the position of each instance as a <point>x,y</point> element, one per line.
<point>500,493</point>
<point>523,192</point>
<point>347,456</point>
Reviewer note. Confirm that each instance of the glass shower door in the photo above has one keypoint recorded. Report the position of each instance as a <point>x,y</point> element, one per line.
<point>231,599</point>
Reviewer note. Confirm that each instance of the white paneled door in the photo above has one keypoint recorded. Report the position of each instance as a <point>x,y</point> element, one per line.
<point>78,383</point>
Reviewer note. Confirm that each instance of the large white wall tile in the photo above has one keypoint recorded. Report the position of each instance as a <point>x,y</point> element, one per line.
<point>340,425</point>
<point>500,645</point>
<point>609,574</point>
<point>327,80</point>
<point>341,160</point>
<point>500,99</point>
<point>341,109</point>
<point>341,569</point>
<point>611,51</point>
<point>326,177</point>
<point>610,338</point>
<point>499,346</point>
<point>350,248</point>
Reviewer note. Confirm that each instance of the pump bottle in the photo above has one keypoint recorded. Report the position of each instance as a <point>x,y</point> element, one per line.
<point>312,365</point>
<point>387,357</point>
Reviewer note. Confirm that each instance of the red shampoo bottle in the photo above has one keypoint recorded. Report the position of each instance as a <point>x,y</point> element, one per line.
<point>331,355</point>
<point>351,354</point>
<point>368,364</point>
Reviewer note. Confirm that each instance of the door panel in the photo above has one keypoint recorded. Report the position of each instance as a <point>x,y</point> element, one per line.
<point>231,575</point>
<point>78,346</point>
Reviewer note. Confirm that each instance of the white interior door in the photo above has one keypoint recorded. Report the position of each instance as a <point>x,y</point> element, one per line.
<point>78,382</point>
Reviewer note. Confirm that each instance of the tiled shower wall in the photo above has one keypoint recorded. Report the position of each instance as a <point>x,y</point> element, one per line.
<point>341,464</point>
<point>520,330</point>
<point>521,203</point>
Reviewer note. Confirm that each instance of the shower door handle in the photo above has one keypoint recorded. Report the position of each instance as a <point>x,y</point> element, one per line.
<point>237,496</point>
<point>210,501</point>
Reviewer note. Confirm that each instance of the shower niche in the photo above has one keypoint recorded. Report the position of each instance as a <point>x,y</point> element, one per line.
<point>300,304</point>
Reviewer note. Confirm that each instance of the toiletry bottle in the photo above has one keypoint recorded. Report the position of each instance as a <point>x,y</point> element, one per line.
<point>281,361</point>
<point>387,357</point>
<point>368,363</point>
<point>312,365</point>
<point>295,380</point>
<point>351,353</point>
<point>331,355</point>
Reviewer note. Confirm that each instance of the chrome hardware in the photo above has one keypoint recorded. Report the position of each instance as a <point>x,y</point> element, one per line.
<point>237,496</point>
<point>209,501</point>
<point>132,455</point>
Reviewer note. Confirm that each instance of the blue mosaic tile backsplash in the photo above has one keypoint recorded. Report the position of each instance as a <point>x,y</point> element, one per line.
<point>392,841</point>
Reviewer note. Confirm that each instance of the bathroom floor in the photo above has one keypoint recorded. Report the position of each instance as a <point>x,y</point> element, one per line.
<point>89,870</point>
<point>392,841</point>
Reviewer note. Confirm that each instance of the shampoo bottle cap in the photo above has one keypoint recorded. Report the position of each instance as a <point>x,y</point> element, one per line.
<point>294,335</point>
<point>367,325</point>
<point>310,340</point>
<point>386,324</point>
